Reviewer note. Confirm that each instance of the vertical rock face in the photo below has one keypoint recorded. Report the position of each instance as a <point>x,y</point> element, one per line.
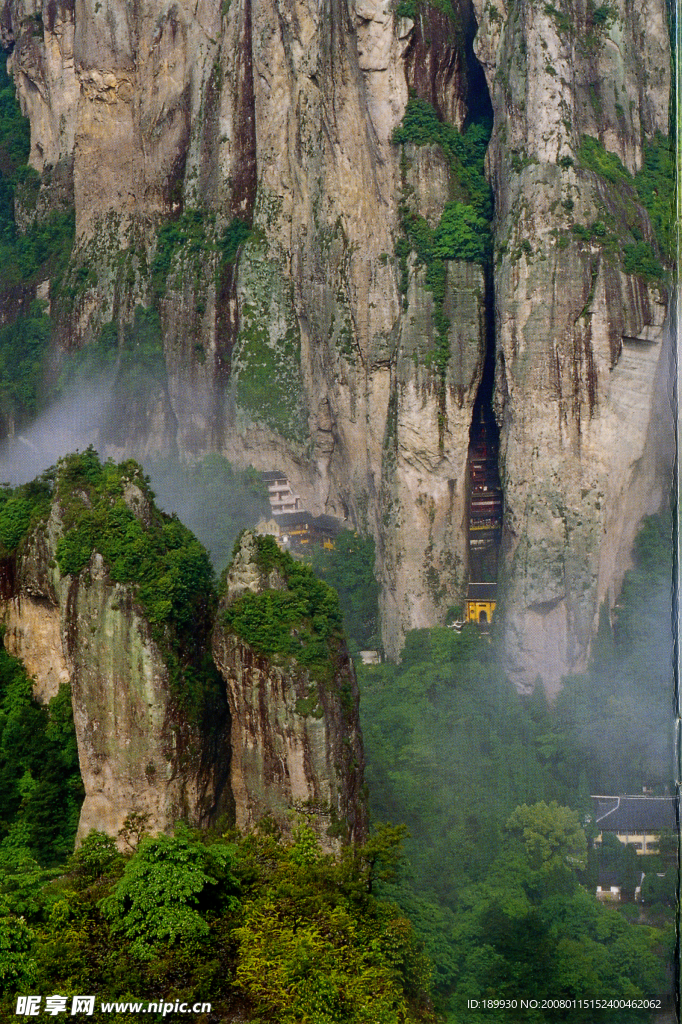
<point>296,741</point>
<point>300,354</point>
<point>158,733</point>
<point>138,751</point>
<point>294,338</point>
<point>582,408</point>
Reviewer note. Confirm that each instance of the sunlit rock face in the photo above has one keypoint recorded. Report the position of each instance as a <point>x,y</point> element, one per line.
<point>138,751</point>
<point>296,741</point>
<point>584,412</point>
<point>301,348</point>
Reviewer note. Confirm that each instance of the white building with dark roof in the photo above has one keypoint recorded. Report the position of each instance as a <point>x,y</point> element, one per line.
<point>636,821</point>
<point>281,497</point>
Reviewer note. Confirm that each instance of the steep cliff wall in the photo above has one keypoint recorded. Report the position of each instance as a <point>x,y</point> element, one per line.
<point>107,594</point>
<point>293,695</point>
<point>300,353</point>
<point>582,403</point>
<point>143,747</point>
<point>233,165</point>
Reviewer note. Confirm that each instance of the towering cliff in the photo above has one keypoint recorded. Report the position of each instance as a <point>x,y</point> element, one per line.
<point>151,720</point>
<point>583,353</point>
<point>292,692</point>
<point>321,283</point>
<point>105,593</point>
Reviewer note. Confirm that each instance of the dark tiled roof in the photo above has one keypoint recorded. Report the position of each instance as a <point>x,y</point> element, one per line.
<point>293,518</point>
<point>325,522</point>
<point>635,813</point>
<point>302,518</point>
<point>272,475</point>
<point>482,592</point>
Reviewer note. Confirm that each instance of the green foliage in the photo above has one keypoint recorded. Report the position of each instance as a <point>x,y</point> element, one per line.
<point>640,259</point>
<point>15,135</point>
<point>653,187</point>
<point>464,228</point>
<point>552,836</point>
<point>603,15</point>
<point>164,888</point>
<point>38,769</point>
<point>190,232</point>
<point>168,568</point>
<point>261,928</point>
<point>23,346</point>
<point>411,9</point>
<point>436,729</point>
<point>43,249</point>
<point>234,236</point>
<point>455,753</point>
<point>607,165</point>
<point>96,856</point>
<point>349,568</point>
<point>302,622</point>
<point>562,21</point>
<point>461,235</point>
<point>21,509</point>
<point>524,935</point>
<point>214,500</point>
<point>464,150</point>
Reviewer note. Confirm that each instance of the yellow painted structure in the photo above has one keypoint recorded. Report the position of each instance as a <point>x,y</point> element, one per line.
<point>480,612</point>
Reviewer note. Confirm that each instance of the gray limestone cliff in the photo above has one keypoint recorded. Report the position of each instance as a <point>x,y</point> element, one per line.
<point>140,749</point>
<point>296,741</point>
<point>295,337</point>
<point>583,348</point>
<point>112,597</point>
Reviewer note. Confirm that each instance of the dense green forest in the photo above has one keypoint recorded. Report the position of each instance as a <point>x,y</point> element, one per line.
<point>261,929</point>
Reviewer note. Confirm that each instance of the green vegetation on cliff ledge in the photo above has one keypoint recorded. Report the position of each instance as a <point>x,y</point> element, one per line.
<point>465,151</point>
<point>39,772</point>
<point>22,508</point>
<point>653,187</point>
<point>110,509</point>
<point>302,622</point>
<point>261,928</point>
<point>463,232</point>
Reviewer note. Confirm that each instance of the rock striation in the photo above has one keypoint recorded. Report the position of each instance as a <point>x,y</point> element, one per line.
<point>583,348</point>
<point>294,335</point>
<point>139,749</point>
<point>159,733</point>
<point>296,741</point>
